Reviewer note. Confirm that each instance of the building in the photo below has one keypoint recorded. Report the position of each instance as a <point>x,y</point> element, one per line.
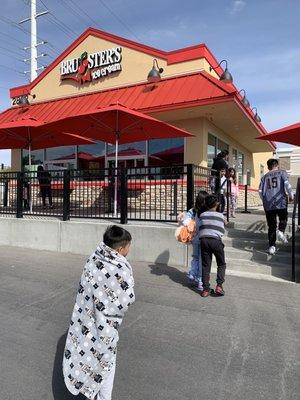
<point>289,159</point>
<point>99,69</point>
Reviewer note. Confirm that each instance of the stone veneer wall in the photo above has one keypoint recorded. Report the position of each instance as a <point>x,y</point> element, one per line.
<point>161,197</point>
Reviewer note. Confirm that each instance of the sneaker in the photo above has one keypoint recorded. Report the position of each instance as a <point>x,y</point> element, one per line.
<point>200,286</point>
<point>219,291</point>
<point>192,280</point>
<point>272,250</point>
<point>281,236</point>
<point>205,293</point>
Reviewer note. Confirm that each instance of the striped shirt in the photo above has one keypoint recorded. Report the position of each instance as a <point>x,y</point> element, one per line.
<point>211,224</point>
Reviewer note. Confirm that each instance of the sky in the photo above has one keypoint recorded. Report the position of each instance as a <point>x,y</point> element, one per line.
<point>258,38</point>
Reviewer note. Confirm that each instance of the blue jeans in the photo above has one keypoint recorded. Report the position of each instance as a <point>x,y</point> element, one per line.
<point>196,264</point>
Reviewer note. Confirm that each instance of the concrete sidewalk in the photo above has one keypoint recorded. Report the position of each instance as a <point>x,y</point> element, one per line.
<point>174,345</point>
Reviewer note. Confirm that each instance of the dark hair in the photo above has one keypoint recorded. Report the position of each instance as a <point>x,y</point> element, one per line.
<point>271,163</point>
<point>40,168</point>
<point>211,201</point>
<point>199,206</point>
<point>223,154</point>
<point>116,237</point>
<point>234,174</point>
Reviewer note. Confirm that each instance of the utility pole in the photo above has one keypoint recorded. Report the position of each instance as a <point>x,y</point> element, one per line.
<point>33,47</point>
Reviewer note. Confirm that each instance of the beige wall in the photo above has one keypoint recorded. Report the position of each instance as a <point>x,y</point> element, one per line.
<point>135,68</point>
<point>16,160</point>
<point>196,149</point>
<point>292,158</point>
<point>258,160</point>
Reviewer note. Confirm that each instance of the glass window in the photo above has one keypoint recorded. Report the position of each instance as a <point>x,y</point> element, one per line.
<point>222,146</point>
<point>214,146</point>
<point>240,167</point>
<point>37,158</point>
<point>166,151</point>
<point>133,150</point>
<point>234,158</point>
<point>211,149</point>
<point>63,157</point>
<point>91,156</point>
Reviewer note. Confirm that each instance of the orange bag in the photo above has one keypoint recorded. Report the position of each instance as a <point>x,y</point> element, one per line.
<point>186,233</point>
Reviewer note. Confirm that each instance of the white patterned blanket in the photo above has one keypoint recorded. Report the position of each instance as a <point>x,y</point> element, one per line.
<point>106,290</point>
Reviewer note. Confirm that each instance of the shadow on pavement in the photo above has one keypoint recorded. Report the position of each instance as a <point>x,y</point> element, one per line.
<point>60,392</point>
<point>161,267</point>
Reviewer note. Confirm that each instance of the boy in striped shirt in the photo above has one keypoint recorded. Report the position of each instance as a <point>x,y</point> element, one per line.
<point>211,230</point>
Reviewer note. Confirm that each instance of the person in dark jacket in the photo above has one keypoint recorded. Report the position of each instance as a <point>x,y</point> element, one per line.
<point>44,178</point>
<point>220,163</point>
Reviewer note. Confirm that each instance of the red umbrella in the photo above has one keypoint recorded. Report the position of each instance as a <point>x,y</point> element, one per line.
<point>32,134</point>
<point>117,124</point>
<point>289,134</point>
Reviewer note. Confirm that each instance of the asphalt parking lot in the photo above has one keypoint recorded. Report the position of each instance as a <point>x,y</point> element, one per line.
<point>173,343</point>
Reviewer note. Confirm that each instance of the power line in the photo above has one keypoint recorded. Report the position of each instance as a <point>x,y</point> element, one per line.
<point>10,56</point>
<point>12,38</point>
<point>10,51</point>
<point>54,20</point>
<point>12,69</point>
<point>119,19</point>
<point>74,11</point>
<point>83,11</point>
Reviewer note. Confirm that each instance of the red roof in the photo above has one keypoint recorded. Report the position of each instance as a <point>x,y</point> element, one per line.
<point>171,93</point>
<point>171,57</point>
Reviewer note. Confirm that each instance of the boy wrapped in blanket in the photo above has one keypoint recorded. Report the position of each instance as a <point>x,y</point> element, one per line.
<point>106,290</point>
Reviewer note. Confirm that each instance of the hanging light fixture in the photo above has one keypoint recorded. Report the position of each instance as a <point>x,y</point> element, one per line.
<point>244,100</point>
<point>256,116</point>
<point>23,99</point>
<point>226,76</point>
<point>154,74</point>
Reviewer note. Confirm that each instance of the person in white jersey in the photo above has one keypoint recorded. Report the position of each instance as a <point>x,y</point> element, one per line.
<point>275,192</point>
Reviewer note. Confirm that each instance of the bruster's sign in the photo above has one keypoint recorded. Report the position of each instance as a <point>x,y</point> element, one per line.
<point>92,66</point>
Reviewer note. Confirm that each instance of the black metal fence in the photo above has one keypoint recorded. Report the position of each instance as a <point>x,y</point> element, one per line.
<point>295,221</point>
<point>147,193</point>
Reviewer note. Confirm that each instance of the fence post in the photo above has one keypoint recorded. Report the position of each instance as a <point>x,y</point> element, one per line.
<point>175,197</point>
<point>190,186</point>
<point>124,196</point>
<point>66,194</point>
<point>246,201</point>
<point>5,194</point>
<point>20,184</point>
<point>228,193</point>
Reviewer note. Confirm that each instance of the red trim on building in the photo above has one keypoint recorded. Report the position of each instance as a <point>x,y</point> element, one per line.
<point>184,91</point>
<point>176,56</point>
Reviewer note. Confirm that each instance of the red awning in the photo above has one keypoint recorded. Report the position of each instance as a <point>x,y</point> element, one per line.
<point>171,93</point>
<point>289,134</point>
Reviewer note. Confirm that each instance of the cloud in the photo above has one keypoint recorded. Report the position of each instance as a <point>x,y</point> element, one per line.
<point>237,6</point>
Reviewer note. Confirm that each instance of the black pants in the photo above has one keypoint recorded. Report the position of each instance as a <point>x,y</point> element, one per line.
<point>222,203</point>
<point>212,246</point>
<point>46,191</point>
<point>272,223</point>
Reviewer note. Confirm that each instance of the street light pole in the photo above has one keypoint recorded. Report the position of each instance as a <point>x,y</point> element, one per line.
<point>33,42</point>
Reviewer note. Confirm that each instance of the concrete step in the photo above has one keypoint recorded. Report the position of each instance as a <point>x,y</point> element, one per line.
<point>237,233</point>
<point>250,267</point>
<point>257,226</point>
<point>260,256</point>
<point>244,243</point>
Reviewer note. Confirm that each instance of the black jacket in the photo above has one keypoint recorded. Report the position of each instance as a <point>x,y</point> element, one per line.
<point>219,163</point>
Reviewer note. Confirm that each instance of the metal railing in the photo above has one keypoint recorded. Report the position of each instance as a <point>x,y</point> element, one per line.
<point>296,210</point>
<point>146,193</point>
